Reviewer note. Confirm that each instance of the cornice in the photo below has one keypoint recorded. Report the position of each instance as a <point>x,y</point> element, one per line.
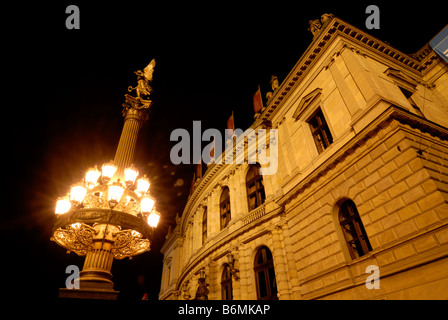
<point>417,63</point>
<point>390,114</point>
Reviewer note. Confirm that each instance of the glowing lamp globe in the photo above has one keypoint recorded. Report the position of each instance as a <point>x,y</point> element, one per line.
<point>130,174</point>
<point>115,192</point>
<point>92,177</point>
<point>153,219</point>
<point>108,171</point>
<point>77,193</point>
<point>142,186</point>
<point>147,204</point>
<point>63,205</point>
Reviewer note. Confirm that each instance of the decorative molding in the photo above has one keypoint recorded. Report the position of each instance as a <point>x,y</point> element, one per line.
<point>254,214</point>
<point>310,100</point>
<point>331,30</point>
<point>390,114</point>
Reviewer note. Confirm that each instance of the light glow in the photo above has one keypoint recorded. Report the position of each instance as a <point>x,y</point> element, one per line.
<point>153,218</point>
<point>92,177</point>
<point>130,174</point>
<point>147,204</point>
<point>142,186</point>
<point>108,170</point>
<point>63,205</point>
<point>77,193</point>
<point>115,192</point>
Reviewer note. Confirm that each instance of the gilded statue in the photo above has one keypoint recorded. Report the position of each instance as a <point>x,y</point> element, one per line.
<point>144,78</point>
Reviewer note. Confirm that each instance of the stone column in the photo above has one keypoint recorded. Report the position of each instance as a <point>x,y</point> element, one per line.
<point>124,156</point>
<point>135,113</point>
<point>280,264</point>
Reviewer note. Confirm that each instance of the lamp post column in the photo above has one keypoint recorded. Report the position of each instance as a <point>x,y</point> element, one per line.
<point>134,118</point>
<point>95,276</point>
<point>88,227</point>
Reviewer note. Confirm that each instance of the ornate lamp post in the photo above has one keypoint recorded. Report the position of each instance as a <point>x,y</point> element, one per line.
<point>110,214</point>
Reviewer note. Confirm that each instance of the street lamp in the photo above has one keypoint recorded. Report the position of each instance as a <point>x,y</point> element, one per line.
<point>109,214</point>
<point>107,219</point>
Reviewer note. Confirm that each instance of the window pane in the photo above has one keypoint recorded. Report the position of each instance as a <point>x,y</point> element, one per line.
<point>320,131</point>
<point>259,258</point>
<point>354,232</point>
<point>252,202</point>
<point>251,188</point>
<point>252,173</point>
<point>262,284</point>
<point>349,231</point>
<point>313,123</point>
<point>255,187</point>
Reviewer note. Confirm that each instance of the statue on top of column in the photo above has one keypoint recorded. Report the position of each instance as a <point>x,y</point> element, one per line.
<point>144,78</point>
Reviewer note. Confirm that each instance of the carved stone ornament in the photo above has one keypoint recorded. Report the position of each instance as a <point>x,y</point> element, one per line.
<point>202,291</point>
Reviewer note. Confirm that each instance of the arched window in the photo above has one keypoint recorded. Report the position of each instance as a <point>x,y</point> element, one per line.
<point>224,208</point>
<point>265,275</point>
<point>226,283</point>
<point>255,187</point>
<point>355,235</point>
<point>204,225</point>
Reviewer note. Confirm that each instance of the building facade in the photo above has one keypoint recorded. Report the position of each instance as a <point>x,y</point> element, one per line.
<point>358,208</point>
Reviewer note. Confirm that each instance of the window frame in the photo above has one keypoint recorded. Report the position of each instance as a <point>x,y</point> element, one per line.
<point>321,133</point>
<point>226,283</point>
<point>259,192</point>
<point>266,267</point>
<point>355,236</point>
<point>224,209</point>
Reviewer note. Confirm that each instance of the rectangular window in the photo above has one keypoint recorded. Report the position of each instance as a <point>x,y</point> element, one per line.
<point>320,131</point>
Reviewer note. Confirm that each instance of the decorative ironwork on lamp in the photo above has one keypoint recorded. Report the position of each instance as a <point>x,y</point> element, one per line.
<point>110,214</point>
<point>100,201</point>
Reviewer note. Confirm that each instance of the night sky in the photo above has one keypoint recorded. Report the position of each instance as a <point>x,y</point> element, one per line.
<point>63,92</point>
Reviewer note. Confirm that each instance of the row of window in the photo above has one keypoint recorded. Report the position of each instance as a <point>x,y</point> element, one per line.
<point>355,236</point>
<point>350,223</point>
<point>255,197</point>
<point>254,180</point>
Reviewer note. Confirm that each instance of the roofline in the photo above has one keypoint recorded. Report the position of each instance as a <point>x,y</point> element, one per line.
<point>332,29</point>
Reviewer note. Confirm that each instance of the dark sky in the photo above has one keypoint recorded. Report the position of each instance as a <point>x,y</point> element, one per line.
<point>64,90</point>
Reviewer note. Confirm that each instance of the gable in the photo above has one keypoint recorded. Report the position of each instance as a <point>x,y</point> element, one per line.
<point>309,101</point>
<point>401,79</point>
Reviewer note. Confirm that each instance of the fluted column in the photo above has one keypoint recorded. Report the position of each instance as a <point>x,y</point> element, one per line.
<point>135,113</point>
<point>98,262</point>
<point>95,278</point>
<point>124,156</point>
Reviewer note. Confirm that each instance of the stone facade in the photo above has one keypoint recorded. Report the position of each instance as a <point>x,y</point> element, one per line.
<point>386,113</point>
